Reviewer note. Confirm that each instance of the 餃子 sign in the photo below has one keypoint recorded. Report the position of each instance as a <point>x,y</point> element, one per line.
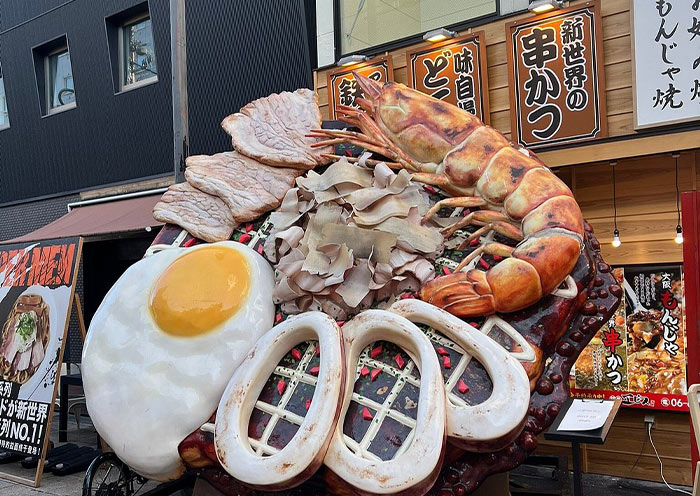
<point>342,87</point>
<point>453,71</point>
<point>666,61</point>
<point>555,72</point>
<point>639,354</point>
<point>37,283</point>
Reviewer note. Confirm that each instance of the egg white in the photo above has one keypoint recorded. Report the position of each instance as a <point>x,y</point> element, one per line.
<point>147,390</point>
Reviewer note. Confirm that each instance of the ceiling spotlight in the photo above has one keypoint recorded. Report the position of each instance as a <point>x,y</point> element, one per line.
<point>679,235</point>
<point>439,35</point>
<point>542,6</point>
<point>352,59</point>
<point>616,239</point>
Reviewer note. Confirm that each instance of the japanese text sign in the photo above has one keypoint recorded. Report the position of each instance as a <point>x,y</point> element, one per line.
<point>639,355</point>
<point>342,87</point>
<point>555,73</point>
<point>454,71</point>
<point>37,282</point>
<point>666,61</point>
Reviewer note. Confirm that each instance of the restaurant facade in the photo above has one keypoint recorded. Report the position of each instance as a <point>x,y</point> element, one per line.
<point>606,94</point>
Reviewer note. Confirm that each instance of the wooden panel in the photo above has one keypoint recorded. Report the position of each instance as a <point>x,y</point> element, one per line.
<point>647,467</point>
<point>616,25</point>
<point>645,185</point>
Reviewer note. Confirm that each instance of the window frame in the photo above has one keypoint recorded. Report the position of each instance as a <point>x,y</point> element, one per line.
<point>408,40</point>
<point>123,86</point>
<point>48,84</point>
<point>5,125</point>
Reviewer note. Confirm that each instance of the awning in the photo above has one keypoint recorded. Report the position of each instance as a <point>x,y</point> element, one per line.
<point>115,216</point>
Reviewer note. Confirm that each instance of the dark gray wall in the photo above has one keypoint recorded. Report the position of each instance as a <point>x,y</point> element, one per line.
<point>107,138</point>
<point>237,51</point>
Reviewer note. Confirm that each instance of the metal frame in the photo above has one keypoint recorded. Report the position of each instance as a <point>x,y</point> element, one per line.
<point>123,85</point>
<point>409,40</point>
<point>690,205</point>
<point>48,86</point>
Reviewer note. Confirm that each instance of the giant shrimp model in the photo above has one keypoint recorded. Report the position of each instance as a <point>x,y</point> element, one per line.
<point>518,196</point>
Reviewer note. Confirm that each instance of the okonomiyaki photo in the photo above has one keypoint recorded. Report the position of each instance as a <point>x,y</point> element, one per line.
<point>25,336</point>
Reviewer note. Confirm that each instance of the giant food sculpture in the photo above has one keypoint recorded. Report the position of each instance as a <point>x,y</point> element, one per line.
<point>360,387</point>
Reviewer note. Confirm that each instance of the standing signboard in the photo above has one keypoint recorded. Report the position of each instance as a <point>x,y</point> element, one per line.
<point>37,284</point>
<point>555,76</point>
<point>666,56</point>
<point>640,354</point>
<point>342,87</point>
<point>454,71</point>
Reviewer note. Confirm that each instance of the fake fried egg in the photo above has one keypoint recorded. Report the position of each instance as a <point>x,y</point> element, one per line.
<point>164,343</point>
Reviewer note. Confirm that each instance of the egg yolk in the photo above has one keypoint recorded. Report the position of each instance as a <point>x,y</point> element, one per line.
<point>200,290</point>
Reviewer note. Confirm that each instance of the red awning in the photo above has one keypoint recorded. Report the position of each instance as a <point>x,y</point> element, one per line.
<point>114,216</point>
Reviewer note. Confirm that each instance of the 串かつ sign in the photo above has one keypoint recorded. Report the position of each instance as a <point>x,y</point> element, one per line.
<point>453,71</point>
<point>666,61</point>
<point>37,283</point>
<point>555,73</point>
<point>342,87</point>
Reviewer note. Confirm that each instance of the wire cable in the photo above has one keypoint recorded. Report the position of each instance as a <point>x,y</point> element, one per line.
<point>662,466</point>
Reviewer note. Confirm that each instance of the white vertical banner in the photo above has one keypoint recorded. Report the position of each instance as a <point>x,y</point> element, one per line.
<point>666,58</point>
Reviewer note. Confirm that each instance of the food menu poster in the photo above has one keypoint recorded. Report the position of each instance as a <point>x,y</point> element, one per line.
<point>344,90</point>
<point>453,71</point>
<point>555,72</point>
<point>37,281</point>
<point>639,354</point>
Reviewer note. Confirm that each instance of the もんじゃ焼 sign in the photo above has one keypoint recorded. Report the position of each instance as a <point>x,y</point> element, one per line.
<point>666,61</point>
<point>342,87</point>
<point>37,282</point>
<point>454,71</point>
<point>555,73</point>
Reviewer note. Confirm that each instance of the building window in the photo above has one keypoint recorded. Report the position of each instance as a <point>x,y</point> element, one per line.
<point>138,57</point>
<point>59,83</point>
<point>366,24</point>
<point>4,116</point>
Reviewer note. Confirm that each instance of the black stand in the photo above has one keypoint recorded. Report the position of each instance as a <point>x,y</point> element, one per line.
<point>595,436</point>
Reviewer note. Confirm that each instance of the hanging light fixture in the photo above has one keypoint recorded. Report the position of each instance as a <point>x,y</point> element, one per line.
<point>616,233</point>
<point>679,231</point>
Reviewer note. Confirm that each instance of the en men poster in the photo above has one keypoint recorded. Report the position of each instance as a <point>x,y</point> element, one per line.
<point>639,355</point>
<point>342,87</point>
<point>666,61</point>
<point>37,282</point>
<point>555,72</point>
<point>453,71</point>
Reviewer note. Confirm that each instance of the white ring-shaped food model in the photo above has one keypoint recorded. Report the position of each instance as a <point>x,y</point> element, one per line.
<point>417,466</point>
<point>493,424</point>
<point>304,453</point>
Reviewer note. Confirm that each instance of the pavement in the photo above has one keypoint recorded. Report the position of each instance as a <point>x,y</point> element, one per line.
<point>51,485</point>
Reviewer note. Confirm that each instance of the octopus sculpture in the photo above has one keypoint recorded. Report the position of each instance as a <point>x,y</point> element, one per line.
<point>540,290</point>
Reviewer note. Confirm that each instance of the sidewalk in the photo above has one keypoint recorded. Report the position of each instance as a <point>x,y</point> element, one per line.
<point>51,485</point>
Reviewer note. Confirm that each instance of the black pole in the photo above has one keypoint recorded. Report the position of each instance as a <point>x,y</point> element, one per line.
<point>178,57</point>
